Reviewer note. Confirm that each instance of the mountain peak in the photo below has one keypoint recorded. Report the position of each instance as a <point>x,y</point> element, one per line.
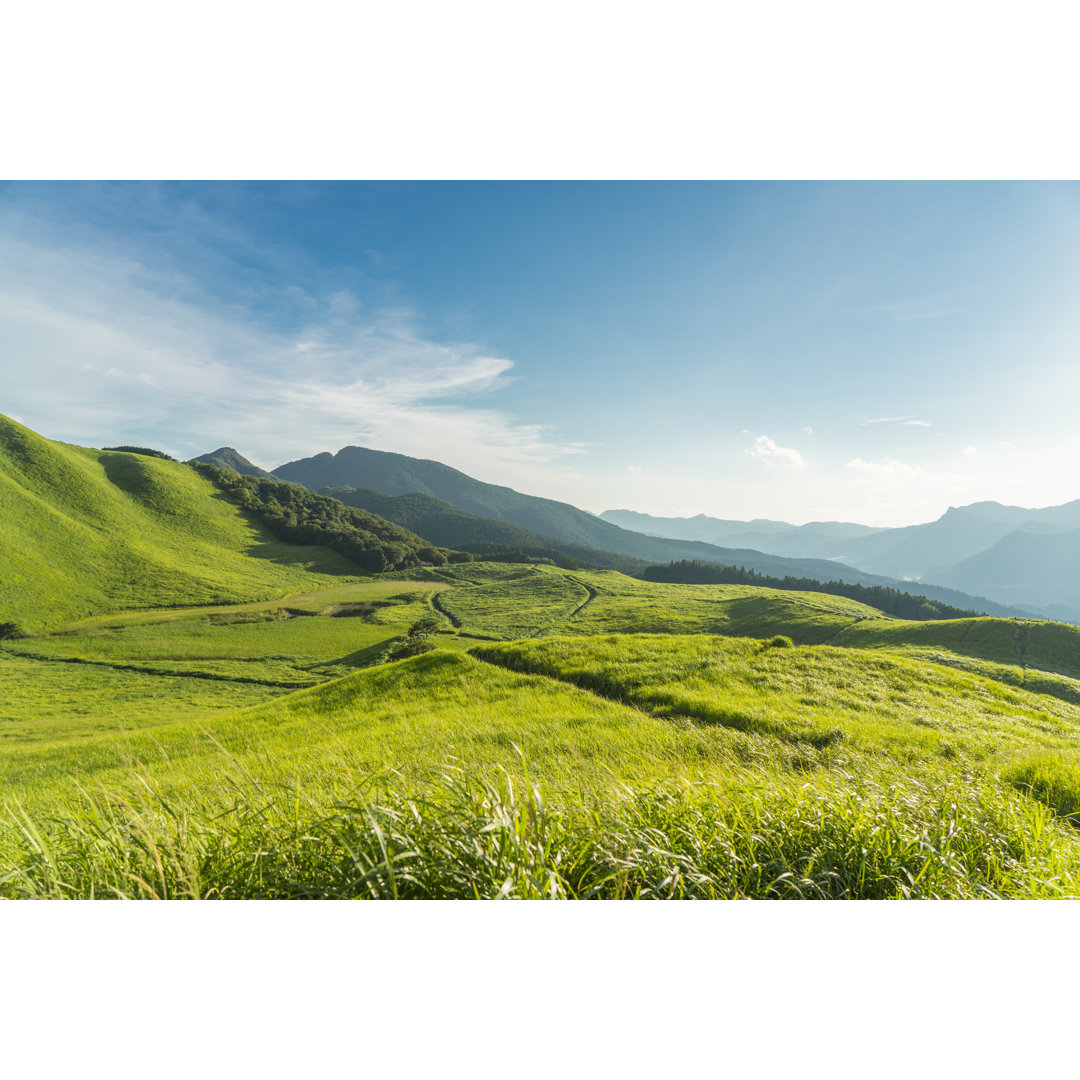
<point>225,457</point>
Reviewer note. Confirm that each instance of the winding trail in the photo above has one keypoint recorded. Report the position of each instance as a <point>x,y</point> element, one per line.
<point>436,603</point>
<point>593,594</point>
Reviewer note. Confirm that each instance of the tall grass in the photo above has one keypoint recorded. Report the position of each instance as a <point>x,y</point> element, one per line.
<point>499,836</point>
<point>1053,779</point>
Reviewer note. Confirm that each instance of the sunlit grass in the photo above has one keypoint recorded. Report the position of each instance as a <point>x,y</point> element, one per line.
<point>873,836</point>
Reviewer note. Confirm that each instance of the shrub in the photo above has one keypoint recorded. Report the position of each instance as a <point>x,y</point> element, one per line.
<point>778,642</point>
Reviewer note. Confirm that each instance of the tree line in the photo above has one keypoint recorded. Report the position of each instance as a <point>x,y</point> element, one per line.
<point>299,516</point>
<point>892,601</point>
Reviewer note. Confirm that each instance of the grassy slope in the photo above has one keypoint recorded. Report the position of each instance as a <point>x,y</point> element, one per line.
<point>245,654</point>
<point>832,771</point>
<point>137,671</point>
<point>537,601</point>
<point>588,710</point>
<point>85,531</point>
<point>817,695</point>
<point>878,787</point>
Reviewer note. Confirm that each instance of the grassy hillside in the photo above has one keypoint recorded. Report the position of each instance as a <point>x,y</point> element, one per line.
<point>86,531</point>
<point>83,684</point>
<point>617,766</point>
<point>502,603</point>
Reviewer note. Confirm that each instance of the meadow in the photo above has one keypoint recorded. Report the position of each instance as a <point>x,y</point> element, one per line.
<point>571,734</point>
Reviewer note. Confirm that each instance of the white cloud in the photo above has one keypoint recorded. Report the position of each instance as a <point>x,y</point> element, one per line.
<point>766,450</point>
<point>102,351</point>
<point>635,469</point>
<point>808,431</point>
<point>917,423</point>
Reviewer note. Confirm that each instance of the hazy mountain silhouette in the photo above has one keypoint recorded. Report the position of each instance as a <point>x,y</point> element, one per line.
<point>1009,554</point>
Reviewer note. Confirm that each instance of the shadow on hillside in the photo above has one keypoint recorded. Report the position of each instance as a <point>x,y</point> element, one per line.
<point>362,658</point>
<point>264,545</point>
<point>127,472</point>
<point>761,617</point>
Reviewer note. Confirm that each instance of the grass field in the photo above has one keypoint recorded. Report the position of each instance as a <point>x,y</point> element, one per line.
<point>451,775</point>
<point>575,733</point>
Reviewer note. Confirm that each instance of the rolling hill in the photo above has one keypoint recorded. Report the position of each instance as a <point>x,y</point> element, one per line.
<point>86,531</point>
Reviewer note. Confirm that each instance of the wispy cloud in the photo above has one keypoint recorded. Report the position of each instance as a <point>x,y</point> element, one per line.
<point>764,449</point>
<point>912,420</point>
<point>107,352</point>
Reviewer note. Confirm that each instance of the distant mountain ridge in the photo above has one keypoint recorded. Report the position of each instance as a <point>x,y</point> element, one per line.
<point>386,473</point>
<point>776,537</point>
<point>1010,554</point>
<point>397,474</point>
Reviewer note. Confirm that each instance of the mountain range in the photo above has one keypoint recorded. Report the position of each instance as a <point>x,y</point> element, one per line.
<point>463,512</point>
<point>1009,554</point>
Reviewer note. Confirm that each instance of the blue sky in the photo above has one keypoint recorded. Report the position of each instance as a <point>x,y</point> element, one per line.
<point>855,351</point>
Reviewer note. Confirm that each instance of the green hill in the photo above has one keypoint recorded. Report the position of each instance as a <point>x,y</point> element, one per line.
<point>498,603</point>
<point>577,733</point>
<point>86,531</point>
